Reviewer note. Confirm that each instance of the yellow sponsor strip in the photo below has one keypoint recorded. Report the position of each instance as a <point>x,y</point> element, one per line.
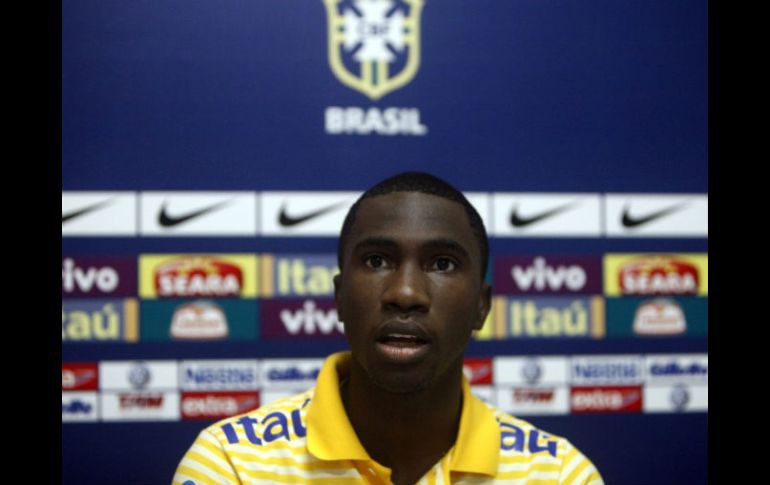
<point>599,318</point>
<point>267,288</point>
<point>131,319</point>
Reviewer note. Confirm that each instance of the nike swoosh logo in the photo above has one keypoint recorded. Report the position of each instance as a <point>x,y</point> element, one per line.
<point>85,210</point>
<point>518,221</point>
<point>287,221</point>
<point>629,221</point>
<point>167,220</point>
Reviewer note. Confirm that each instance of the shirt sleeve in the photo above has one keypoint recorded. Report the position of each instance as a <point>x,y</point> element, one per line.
<point>577,469</point>
<point>205,463</point>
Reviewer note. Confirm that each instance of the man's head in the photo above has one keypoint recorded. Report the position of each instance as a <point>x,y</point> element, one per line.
<point>426,184</point>
<point>411,289</point>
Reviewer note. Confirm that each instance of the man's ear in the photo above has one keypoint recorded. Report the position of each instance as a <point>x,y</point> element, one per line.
<point>485,302</point>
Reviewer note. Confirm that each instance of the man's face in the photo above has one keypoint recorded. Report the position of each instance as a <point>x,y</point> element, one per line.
<point>410,293</point>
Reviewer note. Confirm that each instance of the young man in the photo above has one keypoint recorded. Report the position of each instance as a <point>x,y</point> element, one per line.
<point>396,408</point>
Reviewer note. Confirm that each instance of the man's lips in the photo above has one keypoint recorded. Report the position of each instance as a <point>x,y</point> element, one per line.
<point>402,342</point>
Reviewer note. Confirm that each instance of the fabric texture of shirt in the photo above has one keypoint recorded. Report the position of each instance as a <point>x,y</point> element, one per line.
<point>308,438</point>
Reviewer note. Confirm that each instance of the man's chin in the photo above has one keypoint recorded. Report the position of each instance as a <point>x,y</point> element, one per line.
<point>402,384</point>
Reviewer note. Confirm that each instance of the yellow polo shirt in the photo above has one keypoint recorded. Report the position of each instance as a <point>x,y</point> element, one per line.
<point>308,438</point>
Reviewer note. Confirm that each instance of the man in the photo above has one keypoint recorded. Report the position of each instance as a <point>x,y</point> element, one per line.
<point>396,408</point>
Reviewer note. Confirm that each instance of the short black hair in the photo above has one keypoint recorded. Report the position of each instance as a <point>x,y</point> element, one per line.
<point>424,183</point>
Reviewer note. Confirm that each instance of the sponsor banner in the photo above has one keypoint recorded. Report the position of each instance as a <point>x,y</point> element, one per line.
<point>478,371</point>
<point>140,406</point>
<point>219,375</point>
<point>217,405</point>
<point>555,275</point>
<point>485,393</point>
<point>540,400</point>
<point>99,320</point>
<point>606,399</point>
<point>198,275</point>
<point>297,275</point>
<point>677,274</point>
<point>289,374</point>
<point>79,376</point>
<point>149,375</point>
<point>546,214</point>
<point>79,407</point>
<point>89,277</point>
<point>676,398</point>
<point>669,368</point>
<point>657,317</point>
<point>544,317</point>
<point>198,214</point>
<point>95,214</point>
<point>200,320</point>
<point>531,371</point>
<point>603,370</point>
<point>287,214</point>
<point>656,215</point>
<point>297,318</point>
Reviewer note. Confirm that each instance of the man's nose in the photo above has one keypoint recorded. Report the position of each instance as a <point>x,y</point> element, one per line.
<point>407,289</point>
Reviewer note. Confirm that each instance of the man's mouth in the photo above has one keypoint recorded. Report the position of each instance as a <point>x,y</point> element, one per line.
<point>403,346</point>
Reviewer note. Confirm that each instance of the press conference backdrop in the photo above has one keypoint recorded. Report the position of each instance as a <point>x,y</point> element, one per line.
<point>210,150</point>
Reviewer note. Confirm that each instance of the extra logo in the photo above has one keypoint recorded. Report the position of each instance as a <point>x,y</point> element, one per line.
<point>217,405</point>
<point>79,377</point>
<point>374,45</point>
<point>607,399</point>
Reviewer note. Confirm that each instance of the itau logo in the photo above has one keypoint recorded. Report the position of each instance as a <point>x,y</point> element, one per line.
<point>374,45</point>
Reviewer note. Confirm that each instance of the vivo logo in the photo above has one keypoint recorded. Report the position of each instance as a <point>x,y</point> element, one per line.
<point>309,320</point>
<point>74,278</point>
<point>540,276</point>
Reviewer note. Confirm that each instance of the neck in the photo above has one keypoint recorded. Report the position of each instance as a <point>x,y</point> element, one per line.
<point>406,432</point>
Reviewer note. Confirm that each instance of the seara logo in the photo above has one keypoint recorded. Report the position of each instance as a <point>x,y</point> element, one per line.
<point>374,45</point>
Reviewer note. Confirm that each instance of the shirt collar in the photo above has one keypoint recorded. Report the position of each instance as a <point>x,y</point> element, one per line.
<point>330,436</point>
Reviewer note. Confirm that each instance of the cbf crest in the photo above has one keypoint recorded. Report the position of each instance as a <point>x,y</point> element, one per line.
<point>374,45</point>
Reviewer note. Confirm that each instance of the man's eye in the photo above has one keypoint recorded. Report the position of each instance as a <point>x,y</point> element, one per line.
<point>375,261</point>
<point>444,264</point>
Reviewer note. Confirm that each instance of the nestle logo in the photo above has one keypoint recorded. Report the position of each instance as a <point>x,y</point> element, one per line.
<point>607,372</point>
<point>220,376</point>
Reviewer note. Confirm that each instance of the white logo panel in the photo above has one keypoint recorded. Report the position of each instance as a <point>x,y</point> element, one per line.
<point>643,215</point>
<point>289,214</point>
<point>98,214</point>
<point>528,371</point>
<point>138,375</point>
<point>547,214</point>
<point>198,214</point>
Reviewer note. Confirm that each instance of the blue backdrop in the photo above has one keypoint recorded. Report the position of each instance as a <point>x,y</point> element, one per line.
<point>525,96</point>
